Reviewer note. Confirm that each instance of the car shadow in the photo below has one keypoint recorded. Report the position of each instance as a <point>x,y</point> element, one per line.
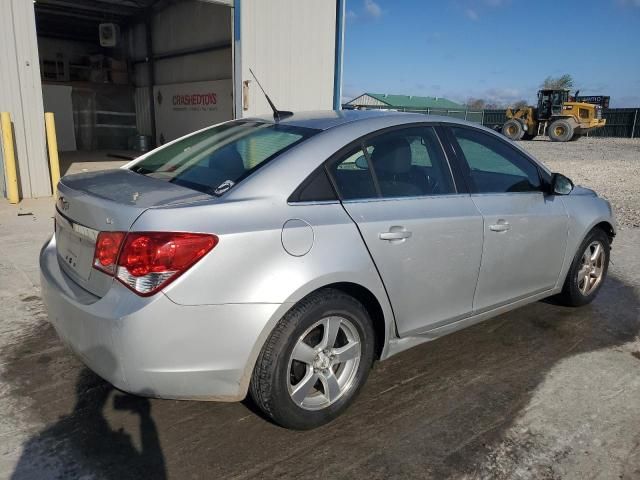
<point>83,444</point>
<point>434,411</point>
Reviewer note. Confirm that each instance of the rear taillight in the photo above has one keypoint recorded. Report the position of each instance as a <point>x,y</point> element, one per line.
<point>107,248</point>
<point>149,261</point>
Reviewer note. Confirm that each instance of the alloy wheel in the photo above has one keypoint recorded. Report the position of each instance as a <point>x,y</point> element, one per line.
<point>324,363</point>
<point>591,268</point>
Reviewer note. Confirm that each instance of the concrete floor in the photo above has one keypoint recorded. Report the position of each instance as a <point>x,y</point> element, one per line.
<point>542,392</point>
<point>91,161</point>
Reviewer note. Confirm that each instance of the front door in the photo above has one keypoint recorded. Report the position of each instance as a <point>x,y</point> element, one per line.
<point>424,237</point>
<point>525,229</point>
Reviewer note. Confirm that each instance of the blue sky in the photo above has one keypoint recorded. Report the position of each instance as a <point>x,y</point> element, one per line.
<point>500,50</point>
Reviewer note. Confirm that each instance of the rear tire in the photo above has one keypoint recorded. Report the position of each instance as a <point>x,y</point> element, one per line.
<point>299,380</point>
<point>560,131</point>
<point>588,270</point>
<point>513,130</point>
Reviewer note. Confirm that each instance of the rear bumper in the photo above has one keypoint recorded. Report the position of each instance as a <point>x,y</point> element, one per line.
<point>153,346</point>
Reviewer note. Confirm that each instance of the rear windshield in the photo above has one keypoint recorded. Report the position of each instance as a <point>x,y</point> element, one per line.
<point>216,159</point>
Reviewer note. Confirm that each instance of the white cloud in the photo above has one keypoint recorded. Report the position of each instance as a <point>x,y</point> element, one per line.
<point>625,101</point>
<point>372,8</point>
<point>500,96</point>
<point>433,37</point>
<point>471,14</point>
<point>351,91</point>
<point>629,3</point>
<point>496,3</point>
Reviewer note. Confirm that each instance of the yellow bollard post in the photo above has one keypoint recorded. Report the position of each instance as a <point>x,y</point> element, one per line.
<point>11,174</point>
<point>52,145</point>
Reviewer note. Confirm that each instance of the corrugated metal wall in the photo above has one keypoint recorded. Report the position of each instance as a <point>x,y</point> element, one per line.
<point>190,25</point>
<point>290,45</point>
<point>181,27</point>
<point>143,110</point>
<point>620,123</point>
<point>21,95</point>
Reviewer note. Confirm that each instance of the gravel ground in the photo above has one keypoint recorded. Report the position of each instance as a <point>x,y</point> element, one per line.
<point>611,166</point>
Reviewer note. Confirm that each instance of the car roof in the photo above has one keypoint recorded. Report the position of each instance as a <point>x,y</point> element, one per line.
<point>325,119</point>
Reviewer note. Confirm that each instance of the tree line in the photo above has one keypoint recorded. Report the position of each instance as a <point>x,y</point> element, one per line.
<point>560,82</point>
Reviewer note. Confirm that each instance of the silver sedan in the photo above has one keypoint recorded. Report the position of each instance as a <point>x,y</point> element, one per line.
<point>282,257</point>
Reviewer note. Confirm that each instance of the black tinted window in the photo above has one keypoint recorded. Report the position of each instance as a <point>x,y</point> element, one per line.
<point>353,177</point>
<point>316,188</point>
<point>493,166</point>
<point>410,162</point>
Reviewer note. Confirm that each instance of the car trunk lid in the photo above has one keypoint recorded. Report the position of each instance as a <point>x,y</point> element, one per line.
<point>112,200</point>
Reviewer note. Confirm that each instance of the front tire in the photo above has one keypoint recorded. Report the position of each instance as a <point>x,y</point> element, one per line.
<point>560,131</point>
<point>315,361</point>
<point>588,270</point>
<point>512,129</point>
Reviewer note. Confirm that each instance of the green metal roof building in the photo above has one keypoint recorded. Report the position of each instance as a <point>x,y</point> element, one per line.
<point>408,102</point>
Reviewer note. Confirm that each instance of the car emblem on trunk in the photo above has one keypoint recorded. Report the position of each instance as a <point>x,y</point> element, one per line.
<point>135,196</point>
<point>62,203</point>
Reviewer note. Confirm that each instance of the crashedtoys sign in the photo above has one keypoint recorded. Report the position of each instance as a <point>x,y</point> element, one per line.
<point>183,108</point>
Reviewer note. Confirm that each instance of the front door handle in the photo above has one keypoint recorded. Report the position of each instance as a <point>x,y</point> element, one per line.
<point>395,233</point>
<point>501,226</point>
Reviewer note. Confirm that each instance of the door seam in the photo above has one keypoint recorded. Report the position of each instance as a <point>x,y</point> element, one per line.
<point>484,233</point>
<point>375,265</point>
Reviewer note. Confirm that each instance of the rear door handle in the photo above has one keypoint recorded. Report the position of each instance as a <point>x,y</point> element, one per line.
<point>501,226</point>
<point>395,233</point>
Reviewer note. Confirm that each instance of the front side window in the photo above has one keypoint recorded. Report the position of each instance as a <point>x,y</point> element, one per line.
<point>213,160</point>
<point>493,166</point>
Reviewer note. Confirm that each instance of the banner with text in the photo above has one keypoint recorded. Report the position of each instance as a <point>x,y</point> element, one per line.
<point>182,108</point>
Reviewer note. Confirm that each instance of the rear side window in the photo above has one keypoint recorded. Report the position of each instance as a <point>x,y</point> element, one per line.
<point>405,162</point>
<point>214,160</point>
<point>493,166</point>
<point>353,176</point>
<point>316,189</point>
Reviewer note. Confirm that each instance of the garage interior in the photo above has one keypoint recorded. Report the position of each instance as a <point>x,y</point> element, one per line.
<point>112,72</point>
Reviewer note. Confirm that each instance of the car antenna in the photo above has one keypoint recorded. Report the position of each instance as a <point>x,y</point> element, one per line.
<point>277,114</point>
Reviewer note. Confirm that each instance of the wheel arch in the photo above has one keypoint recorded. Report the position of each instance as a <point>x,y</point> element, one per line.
<point>373,307</point>
<point>601,222</point>
<point>377,306</point>
<point>607,227</point>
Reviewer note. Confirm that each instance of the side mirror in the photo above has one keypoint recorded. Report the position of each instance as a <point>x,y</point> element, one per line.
<point>561,185</point>
<point>361,163</point>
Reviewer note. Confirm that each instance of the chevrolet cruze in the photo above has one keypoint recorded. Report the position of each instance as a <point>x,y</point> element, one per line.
<point>281,257</point>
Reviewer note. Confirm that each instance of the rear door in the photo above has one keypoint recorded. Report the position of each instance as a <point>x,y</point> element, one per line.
<point>525,229</point>
<point>424,235</point>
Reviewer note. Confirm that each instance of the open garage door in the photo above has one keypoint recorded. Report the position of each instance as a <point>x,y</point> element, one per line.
<point>122,76</point>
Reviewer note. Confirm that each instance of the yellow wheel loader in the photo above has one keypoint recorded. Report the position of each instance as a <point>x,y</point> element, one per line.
<point>556,115</point>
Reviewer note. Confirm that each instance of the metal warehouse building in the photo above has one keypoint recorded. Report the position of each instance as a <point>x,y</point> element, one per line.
<point>403,102</point>
<point>117,72</point>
